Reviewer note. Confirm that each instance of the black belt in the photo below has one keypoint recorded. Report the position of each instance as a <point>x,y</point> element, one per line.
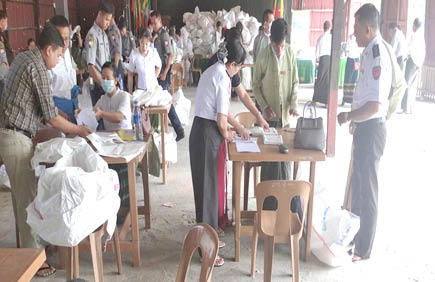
<point>24,132</point>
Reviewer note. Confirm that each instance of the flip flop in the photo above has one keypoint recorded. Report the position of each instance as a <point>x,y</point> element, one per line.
<point>48,267</point>
<point>219,261</point>
<point>220,232</point>
<point>221,244</point>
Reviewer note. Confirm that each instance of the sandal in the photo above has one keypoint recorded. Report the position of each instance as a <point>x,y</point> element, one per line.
<point>220,232</point>
<point>219,261</point>
<point>356,258</point>
<point>221,244</point>
<point>45,271</point>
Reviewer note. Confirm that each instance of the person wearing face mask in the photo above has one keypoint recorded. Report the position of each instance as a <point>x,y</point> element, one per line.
<point>210,131</point>
<point>262,40</point>
<point>145,61</point>
<point>63,75</point>
<point>97,48</point>
<point>113,107</point>
<point>25,106</point>
<point>275,86</point>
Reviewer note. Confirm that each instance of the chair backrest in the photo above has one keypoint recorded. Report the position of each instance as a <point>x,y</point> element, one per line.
<point>204,237</point>
<point>247,119</point>
<point>281,222</point>
<point>177,77</point>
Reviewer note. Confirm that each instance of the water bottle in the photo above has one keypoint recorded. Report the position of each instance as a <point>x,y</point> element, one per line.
<point>137,121</point>
<point>310,111</point>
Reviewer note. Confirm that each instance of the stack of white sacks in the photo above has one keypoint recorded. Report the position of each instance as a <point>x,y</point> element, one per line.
<point>199,33</point>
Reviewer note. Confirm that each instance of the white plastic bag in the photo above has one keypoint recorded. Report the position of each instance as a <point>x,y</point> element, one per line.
<point>182,107</point>
<point>155,97</point>
<point>4,178</point>
<point>170,146</point>
<point>74,197</point>
<point>333,230</point>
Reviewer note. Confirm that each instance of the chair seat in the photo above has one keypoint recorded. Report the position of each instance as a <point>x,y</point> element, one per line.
<point>269,220</point>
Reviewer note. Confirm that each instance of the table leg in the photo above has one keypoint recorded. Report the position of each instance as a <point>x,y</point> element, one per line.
<point>237,178</point>
<point>295,170</point>
<point>134,214</point>
<point>310,212</point>
<point>146,191</point>
<point>163,131</point>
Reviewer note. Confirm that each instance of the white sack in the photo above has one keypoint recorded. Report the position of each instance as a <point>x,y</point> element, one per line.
<point>182,107</point>
<point>79,185</point>
<point>170,146</point>
<point>156,97</point>
<point>4,178</point>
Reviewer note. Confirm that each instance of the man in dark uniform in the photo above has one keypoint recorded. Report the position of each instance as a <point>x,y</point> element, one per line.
<point>367,124</point>
<point>128,43</point>
<point>115,46</point>
<point>4,36</point>
<point>164,47</point>
<point>97,48</point>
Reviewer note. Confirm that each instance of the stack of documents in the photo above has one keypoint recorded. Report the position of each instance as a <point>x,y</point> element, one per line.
<point>246,146</point>
<point>271,137</point>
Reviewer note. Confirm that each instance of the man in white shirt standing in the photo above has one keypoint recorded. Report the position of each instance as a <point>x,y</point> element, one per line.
<point>367,124</point>
<point>63,75</point>
<point>416,54</point>
<point>398,42</point>
<point>323,59</point>
<point>262,40</point>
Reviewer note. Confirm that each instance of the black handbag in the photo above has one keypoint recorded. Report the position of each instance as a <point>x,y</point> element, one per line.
<point>310,134</point>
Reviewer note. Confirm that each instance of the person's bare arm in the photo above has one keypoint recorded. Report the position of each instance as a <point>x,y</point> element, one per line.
<point>68,127</point>
<point>238,127</point>
<point>117,56</point>
<point>363,113</point>
<point>250,105</point>
<point>115,117</point>
<point>95,74</point>
<point>222,124</point>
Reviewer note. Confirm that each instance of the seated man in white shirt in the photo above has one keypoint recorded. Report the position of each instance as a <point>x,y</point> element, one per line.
<point>113,107</point>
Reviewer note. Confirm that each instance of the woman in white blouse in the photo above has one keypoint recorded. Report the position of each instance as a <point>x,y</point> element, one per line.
<point>207,146</point>
<point>144,61</point>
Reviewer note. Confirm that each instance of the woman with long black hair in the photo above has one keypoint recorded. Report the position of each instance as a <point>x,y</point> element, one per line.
<point>210,131</point>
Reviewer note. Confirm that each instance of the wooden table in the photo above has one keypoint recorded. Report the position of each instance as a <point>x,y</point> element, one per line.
<point>131,220</point>
<point>20,265</point>
<point>270,153</point>
<point>163,111</point>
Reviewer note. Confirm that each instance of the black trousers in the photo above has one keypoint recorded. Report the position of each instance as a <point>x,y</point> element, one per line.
<point>369,143</point>
<point>96,93</point>
<point>411,80</point>
<point>173,117</point>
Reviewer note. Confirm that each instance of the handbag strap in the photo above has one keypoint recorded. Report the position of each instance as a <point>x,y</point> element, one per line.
<point>314,107</point>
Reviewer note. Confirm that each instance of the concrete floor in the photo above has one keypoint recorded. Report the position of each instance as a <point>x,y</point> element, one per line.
<point>404,244</point>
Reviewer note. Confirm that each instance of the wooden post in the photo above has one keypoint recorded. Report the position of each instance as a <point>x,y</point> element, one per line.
<point>338,26</point>
<point>288,18</point>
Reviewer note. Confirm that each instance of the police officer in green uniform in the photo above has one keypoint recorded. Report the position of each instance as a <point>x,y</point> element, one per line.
<point>97,48</point>
<point>4,36</point>
<point>115,46</point>
<point>163,45</point>
<point>128,43</point>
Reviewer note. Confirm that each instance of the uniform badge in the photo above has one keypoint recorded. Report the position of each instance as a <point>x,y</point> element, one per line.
<point>376,71</point>
<point>113,37</point>
<point>131,38</point>
<point>166,42</point>
<point>2,52</point>
<point>91,42</point>
<point>375,50</point>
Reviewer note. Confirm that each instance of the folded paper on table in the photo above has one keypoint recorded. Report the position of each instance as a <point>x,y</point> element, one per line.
<point>109,147</point>
<point>246,145</point>
<point>87,117</point>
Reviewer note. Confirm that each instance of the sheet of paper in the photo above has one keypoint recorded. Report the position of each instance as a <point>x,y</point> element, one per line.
<point>87,117</point>
<point>247,147</point>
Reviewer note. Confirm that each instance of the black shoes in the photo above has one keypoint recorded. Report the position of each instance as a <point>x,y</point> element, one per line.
<point>180,136</point>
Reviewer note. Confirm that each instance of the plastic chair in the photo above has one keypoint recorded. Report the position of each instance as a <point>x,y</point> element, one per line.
<point>201,236</point>
<point>196,65</point>
<point>247,119</point>
<point>281,225</point>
